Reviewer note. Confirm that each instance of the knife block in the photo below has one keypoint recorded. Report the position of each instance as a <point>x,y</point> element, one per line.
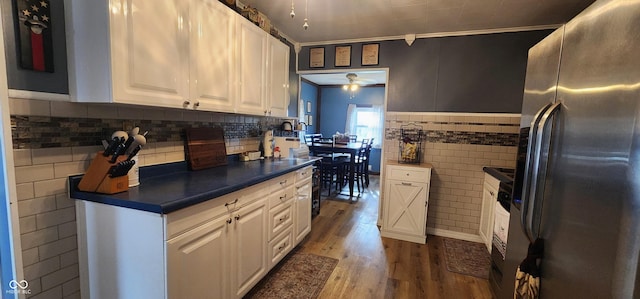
<point>97,179</point>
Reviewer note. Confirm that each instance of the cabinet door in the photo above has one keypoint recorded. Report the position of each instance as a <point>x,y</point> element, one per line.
<point>212,55</point>
<point>489,197</point>
<point>249,246</point>
<point>150,60</point>
<point>406,207</point>
<point>251,46</point>
<point>197,254</point>
<point>278,78</point>
<point>303,211</point>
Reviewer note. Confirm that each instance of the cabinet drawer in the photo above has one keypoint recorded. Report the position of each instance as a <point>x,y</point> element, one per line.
<point>280,218</point>
<point>491,181</point>
<point>304,173</point>
<point>281,183</point>
<point>409,174</point>
<point>280,197</point>
<point>186,219</point>
<point>280,246</point>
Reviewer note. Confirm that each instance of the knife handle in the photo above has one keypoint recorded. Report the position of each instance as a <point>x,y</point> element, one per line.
<point>134,152</point>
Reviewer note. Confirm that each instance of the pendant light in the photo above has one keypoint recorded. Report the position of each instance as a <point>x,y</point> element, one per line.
<point>293,13</point>
<point>306,15</point>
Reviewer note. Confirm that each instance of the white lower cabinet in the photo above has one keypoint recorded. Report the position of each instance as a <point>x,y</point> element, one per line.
<point>487,215</point>
<point>189,258</point>
<point>406,199</point>
<point>219,248</point>
<point>303,207</point>
<point>249,247</point>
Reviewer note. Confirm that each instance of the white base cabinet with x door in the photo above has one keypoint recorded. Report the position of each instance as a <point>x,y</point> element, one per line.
<point>406,199</point>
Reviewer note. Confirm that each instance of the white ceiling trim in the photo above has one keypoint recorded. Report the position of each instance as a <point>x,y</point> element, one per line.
<point>432,35</point>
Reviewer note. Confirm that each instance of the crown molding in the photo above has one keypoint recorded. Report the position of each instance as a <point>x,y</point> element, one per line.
<point>432,35</point>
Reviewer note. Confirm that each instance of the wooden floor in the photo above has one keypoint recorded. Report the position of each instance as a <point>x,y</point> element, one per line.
<point>374,267</point>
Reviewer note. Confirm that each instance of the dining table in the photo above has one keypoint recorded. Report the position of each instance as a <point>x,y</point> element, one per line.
<point>350,148</point>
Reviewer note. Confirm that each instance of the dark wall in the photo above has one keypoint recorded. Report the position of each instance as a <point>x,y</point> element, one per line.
<point>478,73</point>
<point>23,79</point>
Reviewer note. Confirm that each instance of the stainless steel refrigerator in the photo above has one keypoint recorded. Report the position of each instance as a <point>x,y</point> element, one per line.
<point>577,183</point>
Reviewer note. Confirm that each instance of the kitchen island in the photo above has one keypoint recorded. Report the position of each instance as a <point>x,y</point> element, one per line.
<point>211,233</point>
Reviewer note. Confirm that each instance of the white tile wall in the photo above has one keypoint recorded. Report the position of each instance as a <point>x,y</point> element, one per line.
<point>455,195</point>
<point>47,215</point>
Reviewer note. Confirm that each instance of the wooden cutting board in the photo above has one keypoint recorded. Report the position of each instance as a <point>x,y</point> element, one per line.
<point>205,148</point>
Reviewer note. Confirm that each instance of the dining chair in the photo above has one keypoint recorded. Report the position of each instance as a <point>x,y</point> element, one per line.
<point>353,138</point>
<point>361,166</point>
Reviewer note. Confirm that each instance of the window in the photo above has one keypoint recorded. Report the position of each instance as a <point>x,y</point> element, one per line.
<point>366,123</point>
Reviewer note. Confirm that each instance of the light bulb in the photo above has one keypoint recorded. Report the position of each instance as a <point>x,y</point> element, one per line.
<point>345,87</point>
<point>306,24</point>
<point>293,13</point>
<point>354,87</point>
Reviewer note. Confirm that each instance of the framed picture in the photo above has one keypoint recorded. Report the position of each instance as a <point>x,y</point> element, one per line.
<point>33,24</point>
<point>309,120</point>
<point>308,106</point>
<point>316,57</point>
<point>343,56</point>
<point>370,54</point>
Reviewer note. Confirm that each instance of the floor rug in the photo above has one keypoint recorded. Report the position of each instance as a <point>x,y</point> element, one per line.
<point>300,275</point>
<point>468,258</point>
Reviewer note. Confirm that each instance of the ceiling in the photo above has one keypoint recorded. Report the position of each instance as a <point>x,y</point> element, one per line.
<point>340,20</point>
<point>363,78</point>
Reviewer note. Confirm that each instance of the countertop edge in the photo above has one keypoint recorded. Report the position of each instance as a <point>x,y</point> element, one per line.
<point>178,203</point>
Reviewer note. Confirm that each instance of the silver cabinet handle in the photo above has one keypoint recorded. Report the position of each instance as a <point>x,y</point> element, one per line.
<point>229,220</point>
<point>196,104</point>
<point>406,184</point>
<point>186,103</point>
<point>283,182</point>
<point>231,203</point>
<point>283,197</point>
<point>491,192</point>
<point>237,217</point>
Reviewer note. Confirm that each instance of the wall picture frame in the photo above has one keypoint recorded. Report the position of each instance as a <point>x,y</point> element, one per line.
<point>370,54</point>
<point>343,56</point>
<point>316,57</point>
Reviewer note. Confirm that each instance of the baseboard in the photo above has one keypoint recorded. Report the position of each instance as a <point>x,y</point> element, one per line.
<point>454,234</point>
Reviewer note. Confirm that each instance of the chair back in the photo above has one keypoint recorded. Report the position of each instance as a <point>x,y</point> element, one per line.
<point>353,138</point>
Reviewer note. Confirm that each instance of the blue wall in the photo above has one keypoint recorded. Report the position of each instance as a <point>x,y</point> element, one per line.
<point>333,111</point>
<point>309,93</point>
<point>475,73</point>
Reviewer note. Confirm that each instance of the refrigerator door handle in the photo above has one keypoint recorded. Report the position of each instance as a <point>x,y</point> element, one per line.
<point>533,131</point>
<point>534,194</point>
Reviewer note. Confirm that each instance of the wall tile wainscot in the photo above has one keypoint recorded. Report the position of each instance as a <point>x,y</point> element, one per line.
<point>53,140</point>
<point>458,145</point>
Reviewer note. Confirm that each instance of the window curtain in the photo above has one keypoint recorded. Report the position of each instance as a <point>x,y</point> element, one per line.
<point>352,120</point>
<point>301,111</point>
<point>378,129</point>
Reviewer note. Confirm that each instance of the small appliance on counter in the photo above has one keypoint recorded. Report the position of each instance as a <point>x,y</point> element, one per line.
<point>267,143</point>
<point>286,144</point>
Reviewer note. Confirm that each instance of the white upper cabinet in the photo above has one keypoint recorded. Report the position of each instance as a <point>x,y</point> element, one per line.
<point>212,55</point>
<point>128,51</point>
<point>195,54</point>
<point>278,87</point>
<point>252,67</point>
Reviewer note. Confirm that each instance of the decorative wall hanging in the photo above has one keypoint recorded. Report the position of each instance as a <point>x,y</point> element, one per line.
<point>370,54</point>
<point>343,56</point>
<point>316,57</point>
<point>33,28</point>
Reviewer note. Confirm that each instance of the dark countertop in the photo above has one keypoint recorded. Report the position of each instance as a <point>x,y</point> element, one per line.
<point>504,175</point>
<point>171,187</point>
